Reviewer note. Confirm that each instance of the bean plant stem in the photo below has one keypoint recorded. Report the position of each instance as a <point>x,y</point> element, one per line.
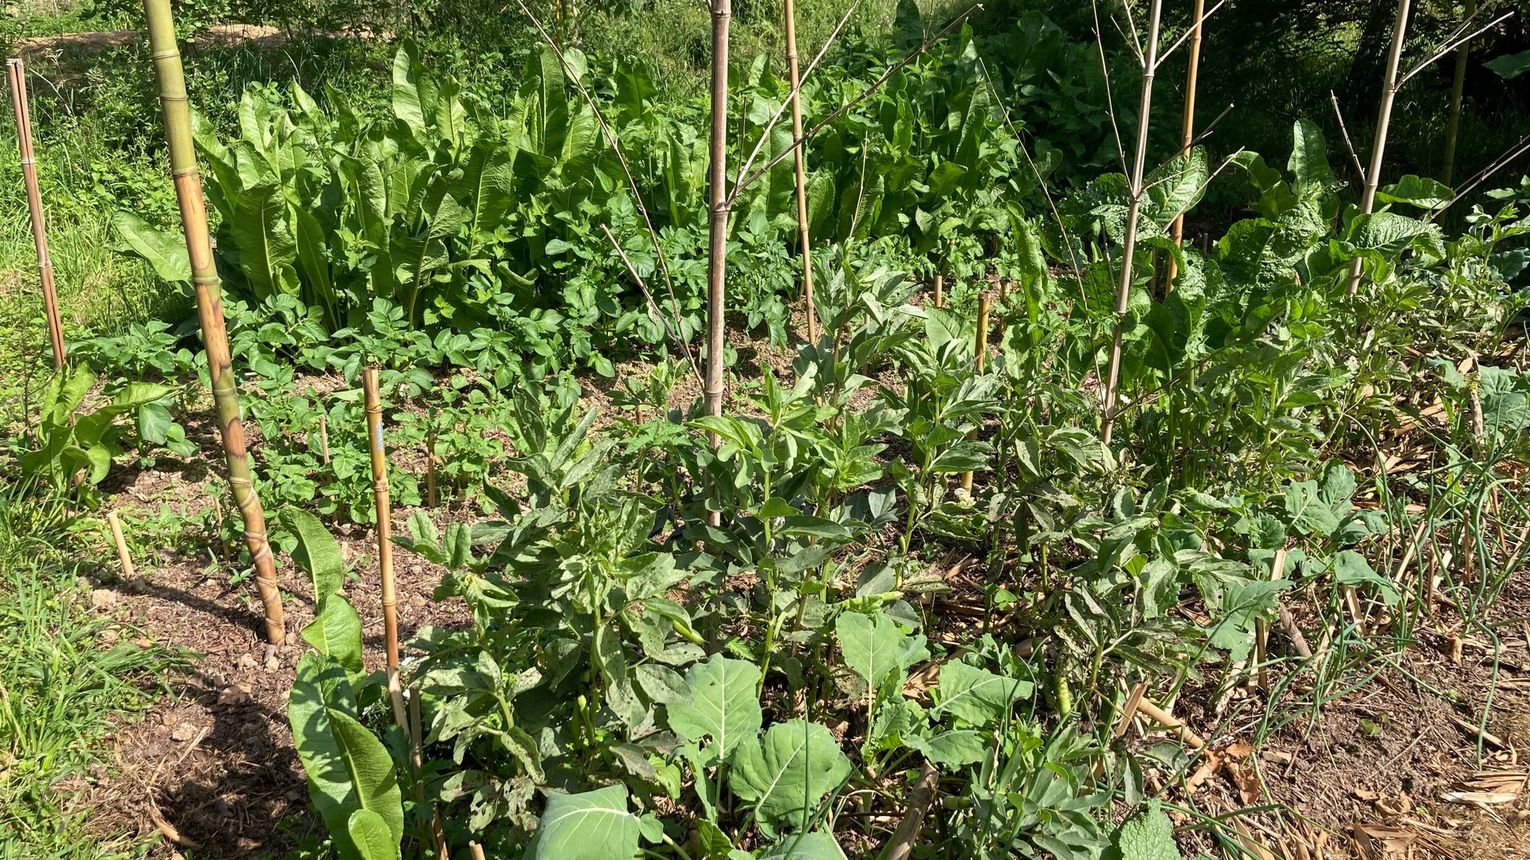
<point>1390,85</point>
<point>22,105</point>
<point>176,110</point>
<point>1187,128</point>
<point>1133,216</point>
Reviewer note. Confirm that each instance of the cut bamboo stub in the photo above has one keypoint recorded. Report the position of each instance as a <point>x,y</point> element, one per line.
<point>981,359</point>
<point>21,105</point>
<point>384,504</point>
<point>204,277</point>
<point>940,290</point>
<point>123,556</point>
<point>789,13</point>
<point>1169,721</point>
<point>901,845</point>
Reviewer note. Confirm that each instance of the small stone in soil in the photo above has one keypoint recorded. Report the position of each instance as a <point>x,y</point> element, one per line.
<point>102,598</point>
<point>183,732</point>
<point>247,661</point>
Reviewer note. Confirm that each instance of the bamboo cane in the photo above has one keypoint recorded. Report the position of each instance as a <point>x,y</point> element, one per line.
<point>23,111</point>
<point>717,252</point>
<point>1187,129</point>
<point>204,277</point>
<point>940,290</point>
<point>1389,89</point>
<point>790,15</point>
<point>1457,89</point>
<point>1133,216</point>
<point>981,360</point>
<point>123,556</point>
<point>380,495</point>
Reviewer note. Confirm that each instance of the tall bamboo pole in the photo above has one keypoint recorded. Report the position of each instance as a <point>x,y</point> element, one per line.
<point>801,157</point>
<point>717,252</point>
<point>1457,88</point>
<point>1187,129</point>
<point>384,504</point>
<point>981,360</point>
<point>1133,215</point>
<point>204,278</point>
<point>23,111</point>
<point>1389,87</point>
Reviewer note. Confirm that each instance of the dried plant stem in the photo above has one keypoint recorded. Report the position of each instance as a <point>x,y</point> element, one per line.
<point>1133,218</point>
<point>432,496</point>
<point>23,110</point>
<point>790,14</point>
<point>1146,707</point>
<point>384,504</point>
<point>901,845</point>
<point>1457,88</point>
<point>1389,87</point>
<point>980,360</point>
<point>204,277</point>
<point>717,252</point>
<point>1187,128</point>
<point>123,556</point>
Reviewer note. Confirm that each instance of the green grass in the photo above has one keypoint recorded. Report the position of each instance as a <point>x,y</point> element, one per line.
<point>63,678</point>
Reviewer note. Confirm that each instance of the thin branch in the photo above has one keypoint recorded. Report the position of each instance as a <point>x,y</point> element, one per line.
<point>1164,55</point>
<point>923,48</point>
<point>1110,99</point>
<point>1452,43</point>
<point>1211,126</point>
<point>652,305</point>
<point>1132,24</point>
<point>1503,161</point>
<point>621,156</point>
<point>794,92</point>
<point>1344,133</point>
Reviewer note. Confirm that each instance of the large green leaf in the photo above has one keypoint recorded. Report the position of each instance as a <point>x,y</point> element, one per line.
<point>807,846</point>
<point>594,825</point>
<point>336,628</point>
<point>876,648</point>
<point>724,704</point>
<point>976,696</point>
<point>165,252</point>
<point>371,836</point>
<point>785,775</point>
<point>348,768</point>
<point>1309,154</point>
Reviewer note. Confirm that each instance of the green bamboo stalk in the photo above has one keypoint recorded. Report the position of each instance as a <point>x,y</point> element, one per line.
<point>1457,88</point>
<point>204,276</point>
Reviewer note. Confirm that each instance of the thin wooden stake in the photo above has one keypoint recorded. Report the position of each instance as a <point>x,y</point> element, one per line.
<point>1389,87</point>
<point>204,277</point>
<point>123,556</point>
<point>21,105</point>
<point>790,15</point>
<point>940,290</point>
<point>717,251</point>
<point>1262,627</point>
<point>981,360</point>
<point>1457,88</point>
<point>324,437</point>
<point>1133,217</point>
<point>432,499</point>
<point>384,504</point>
<point>901,845</point>
<point>1187,129</point>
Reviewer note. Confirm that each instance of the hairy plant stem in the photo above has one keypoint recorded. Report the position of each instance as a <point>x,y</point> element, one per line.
<point>176,110</point>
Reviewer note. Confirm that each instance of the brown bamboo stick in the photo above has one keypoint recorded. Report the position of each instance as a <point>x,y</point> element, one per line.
<point>123,556</point>
<point>1187,127</point>
<point>1169,721</point>
<point>1457,89</point>
<point>1262,627</point>
<point>940,290</point>
<point>901,845</point>
<point>1390,85</point>
<point>717,251</point>
<point>21,105</point>
<point>981,360</point>
<point>204,277</point>
<point>790,15</point>
<point>324,437</point>
<point>1133,218</point>
<point>384,505</point>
